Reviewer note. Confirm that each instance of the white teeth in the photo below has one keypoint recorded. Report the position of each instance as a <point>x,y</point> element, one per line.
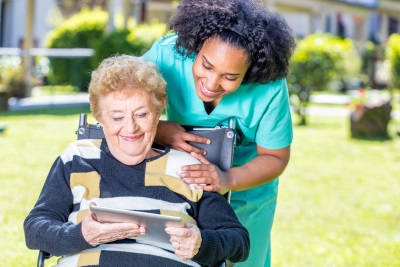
<point>205,89</point>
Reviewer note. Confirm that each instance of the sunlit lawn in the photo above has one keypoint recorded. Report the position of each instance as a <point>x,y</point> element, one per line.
<point>339,199</point>
<point>28,147</point>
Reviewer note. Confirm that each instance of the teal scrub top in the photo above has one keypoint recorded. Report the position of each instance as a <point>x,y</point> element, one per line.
<point>261,111</point>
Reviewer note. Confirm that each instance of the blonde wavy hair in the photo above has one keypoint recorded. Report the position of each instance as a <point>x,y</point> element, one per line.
<point>124,72</point>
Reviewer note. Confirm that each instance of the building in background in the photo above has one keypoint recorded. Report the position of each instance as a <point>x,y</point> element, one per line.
<point>49,13</point>
<point>360,20</point>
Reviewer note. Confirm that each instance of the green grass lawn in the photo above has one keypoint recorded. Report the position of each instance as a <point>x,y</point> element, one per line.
<point>31,142</point>
<point>339,199</point>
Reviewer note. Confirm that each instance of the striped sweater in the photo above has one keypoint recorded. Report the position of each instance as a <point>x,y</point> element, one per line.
<point>87,172</point>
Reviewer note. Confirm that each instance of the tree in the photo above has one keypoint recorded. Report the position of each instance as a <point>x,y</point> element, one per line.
<point>81,30</point>
<point>318,60</point>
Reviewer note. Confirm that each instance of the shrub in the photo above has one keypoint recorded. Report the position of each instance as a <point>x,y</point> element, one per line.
<point>79,31</point>
<point>143,36</point>
<point>12,79</point>
<point>113,43</point>
<point>319,60</point>
<point>133,41</point>
<point>394,57</point>
<point>10,67</point>
<point>371,54</point>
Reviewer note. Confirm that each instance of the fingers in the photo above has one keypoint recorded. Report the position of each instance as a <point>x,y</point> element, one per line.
<point>200,174</point>
<point>124,230</point>
<point>186,241</point>
<point>96,233</point>
<point>116,231</point>
<point>176,245</point>
<point>200,157</point>
<point>178,232</point>
<point>185,137</point>
<point>186,253</point>
<point>117,234</point>
<point>173,135</point>
<point>186,147</point>
<point>201,182</point>
<point>201,177</point>
<point>200,167</point>
<point>209,188</point>
<point>207,177</point>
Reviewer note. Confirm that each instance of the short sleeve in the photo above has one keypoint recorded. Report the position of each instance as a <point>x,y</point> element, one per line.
<point>275,129</point>
<point>151,54</point>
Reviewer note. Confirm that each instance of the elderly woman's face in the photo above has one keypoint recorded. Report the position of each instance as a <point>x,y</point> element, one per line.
<point>129,122</point>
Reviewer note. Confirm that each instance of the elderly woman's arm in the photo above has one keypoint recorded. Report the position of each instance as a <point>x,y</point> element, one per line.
<point>223,236</point>
<point>47,227</point>
<point>219,234</point>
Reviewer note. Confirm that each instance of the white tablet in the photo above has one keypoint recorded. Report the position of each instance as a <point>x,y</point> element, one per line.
<point>155,223</point>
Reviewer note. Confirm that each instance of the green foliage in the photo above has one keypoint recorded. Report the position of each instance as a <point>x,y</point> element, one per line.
<point>366,57</point>
<point>133,41</point>
<point>10,67</point>
<point>370,55</point>
<point>113,43</point>
<point>143,36</point>
<point>319,60</point>
<point>12,79</point>
<point>79,31</point>
<point>394,57</point>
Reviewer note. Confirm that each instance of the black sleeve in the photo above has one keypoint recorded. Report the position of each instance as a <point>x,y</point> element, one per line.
<point>223,236</point>
<point>47,227</point>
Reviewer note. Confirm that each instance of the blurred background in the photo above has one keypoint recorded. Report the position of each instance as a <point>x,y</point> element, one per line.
<point>339,198</point>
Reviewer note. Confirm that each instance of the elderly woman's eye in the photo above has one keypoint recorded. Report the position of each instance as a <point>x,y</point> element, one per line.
<point>141,115</point>
<point>117,118</point>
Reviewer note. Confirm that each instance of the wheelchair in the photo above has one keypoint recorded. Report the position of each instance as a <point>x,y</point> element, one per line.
<point>219,152</point>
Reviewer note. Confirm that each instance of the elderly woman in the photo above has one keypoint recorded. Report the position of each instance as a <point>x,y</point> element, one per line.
<point>127,96</point>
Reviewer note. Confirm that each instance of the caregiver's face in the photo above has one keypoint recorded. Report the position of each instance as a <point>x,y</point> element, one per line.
<point>218,70</point>
<point>129,122</point>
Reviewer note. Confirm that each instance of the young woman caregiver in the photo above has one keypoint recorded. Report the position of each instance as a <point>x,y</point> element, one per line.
<point>229,59</point>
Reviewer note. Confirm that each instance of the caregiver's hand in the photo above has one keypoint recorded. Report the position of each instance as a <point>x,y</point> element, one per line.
<point>186,241</point>
<point>96,233</point>
<point>171,134</point>
<point>206,176</point>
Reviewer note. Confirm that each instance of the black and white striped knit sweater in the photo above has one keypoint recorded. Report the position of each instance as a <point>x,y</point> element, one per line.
<point>87,172</point>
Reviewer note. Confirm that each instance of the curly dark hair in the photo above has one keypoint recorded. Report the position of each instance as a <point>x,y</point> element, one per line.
<point>264,35</point>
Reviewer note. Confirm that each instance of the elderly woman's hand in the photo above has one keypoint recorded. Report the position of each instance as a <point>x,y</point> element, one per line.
<point>171,134</point>
<point>96,233</point>
<point>186,241</point>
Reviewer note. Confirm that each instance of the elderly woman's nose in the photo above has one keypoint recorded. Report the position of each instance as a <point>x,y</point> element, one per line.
<point>131,125</point>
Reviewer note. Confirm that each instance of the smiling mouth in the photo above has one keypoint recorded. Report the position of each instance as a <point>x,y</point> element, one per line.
<point>131,138</point>
<point>207,92</point>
